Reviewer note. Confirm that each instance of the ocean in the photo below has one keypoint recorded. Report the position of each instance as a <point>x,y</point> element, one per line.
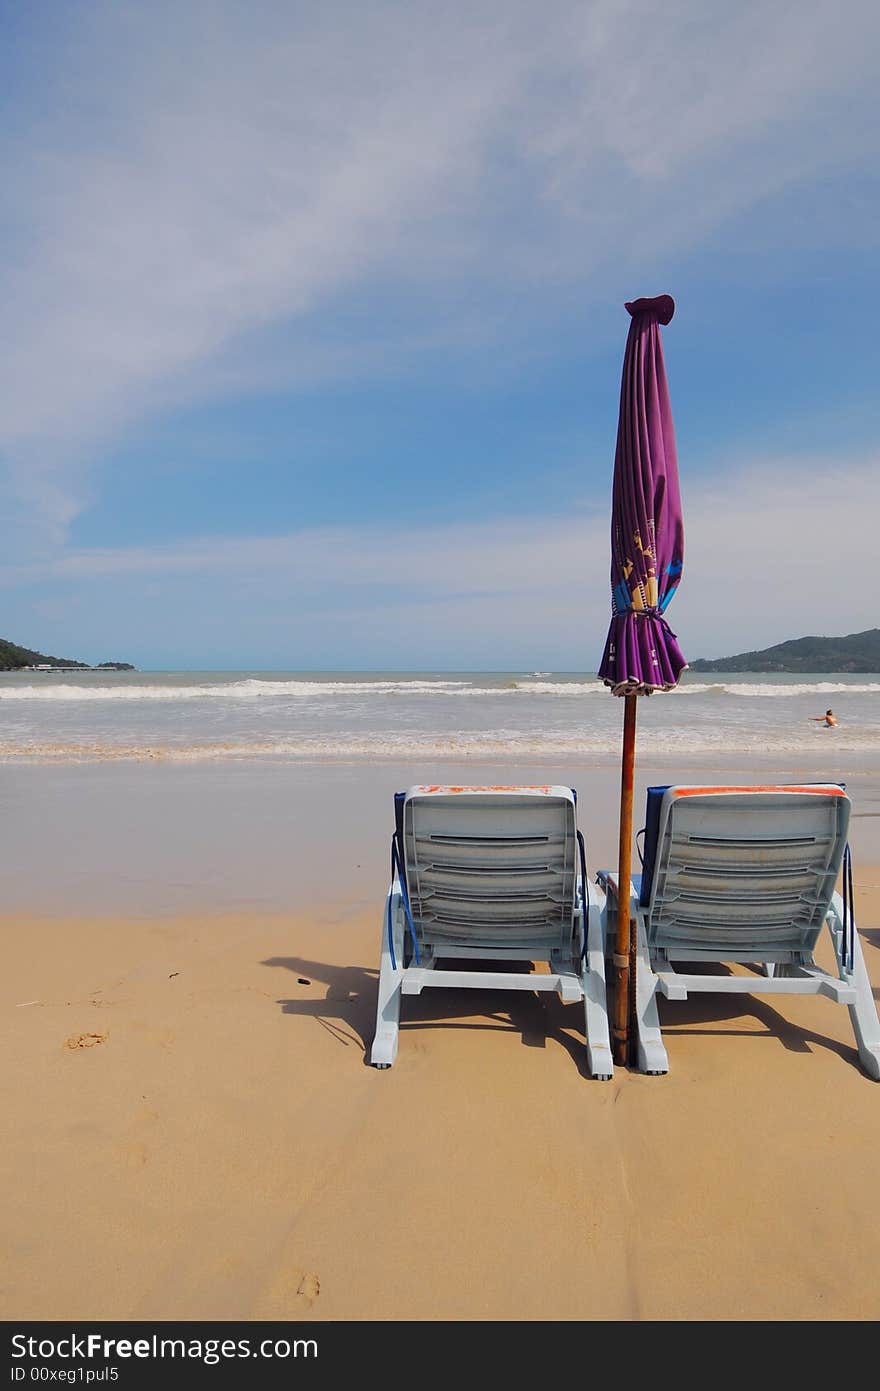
<point>191,792</point>
<point>286,717</point>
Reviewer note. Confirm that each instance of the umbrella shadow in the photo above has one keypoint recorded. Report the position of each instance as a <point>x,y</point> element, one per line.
<point>347,1010</point>
<point>699,1012</point>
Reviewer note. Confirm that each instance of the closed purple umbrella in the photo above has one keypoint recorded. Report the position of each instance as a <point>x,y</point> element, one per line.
<point>642,654</point>
<point>647,537</point>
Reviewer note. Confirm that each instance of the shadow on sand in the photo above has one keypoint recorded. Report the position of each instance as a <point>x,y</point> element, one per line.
<point>698,1013</point>
<point>347,1010</point>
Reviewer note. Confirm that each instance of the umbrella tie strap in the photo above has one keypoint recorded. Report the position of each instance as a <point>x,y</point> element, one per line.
<point>656,614</point>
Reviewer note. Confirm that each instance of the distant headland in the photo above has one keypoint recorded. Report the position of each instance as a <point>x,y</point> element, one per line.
<point>15,658</point>
<point>855,652</point>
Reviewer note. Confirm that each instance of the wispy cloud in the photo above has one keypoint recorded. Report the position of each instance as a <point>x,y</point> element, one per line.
<point>778,550</point>
<point>178,197</point>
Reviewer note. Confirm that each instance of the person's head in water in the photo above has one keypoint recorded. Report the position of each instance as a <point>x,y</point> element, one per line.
<point>829,718</point>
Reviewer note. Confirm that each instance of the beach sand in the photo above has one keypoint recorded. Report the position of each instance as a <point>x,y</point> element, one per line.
<point>194,1133</point>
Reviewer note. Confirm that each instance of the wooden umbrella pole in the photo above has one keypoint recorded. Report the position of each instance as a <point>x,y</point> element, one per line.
<point>624,874</point>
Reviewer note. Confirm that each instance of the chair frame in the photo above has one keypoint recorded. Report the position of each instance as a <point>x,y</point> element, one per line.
<point>656,975</point>
<point>580,979</point>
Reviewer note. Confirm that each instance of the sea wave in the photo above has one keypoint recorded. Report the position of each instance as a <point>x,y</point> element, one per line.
<point>251,688</point>
<point>257,688</point>
<point>254,688</point>
<point>557,688</point>
<point>669,745</point>
<point>758,689</point>
<point>712,688</point>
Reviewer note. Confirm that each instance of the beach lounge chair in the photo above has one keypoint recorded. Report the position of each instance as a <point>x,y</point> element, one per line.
<point>747,875</point>
<point>491,875</point>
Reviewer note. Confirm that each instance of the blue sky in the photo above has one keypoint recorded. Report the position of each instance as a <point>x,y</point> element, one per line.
<point>314,324</point>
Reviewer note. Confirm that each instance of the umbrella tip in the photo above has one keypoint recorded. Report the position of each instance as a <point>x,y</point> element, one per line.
<point>662,306</point>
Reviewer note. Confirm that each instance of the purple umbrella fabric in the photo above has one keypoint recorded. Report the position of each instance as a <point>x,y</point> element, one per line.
<point>647,535</point>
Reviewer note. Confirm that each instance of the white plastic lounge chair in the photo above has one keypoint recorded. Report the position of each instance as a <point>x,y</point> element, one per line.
<point>491,873</point>
<point>746,874</point>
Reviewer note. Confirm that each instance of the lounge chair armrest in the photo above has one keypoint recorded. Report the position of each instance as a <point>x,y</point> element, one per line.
<point>607,880</point>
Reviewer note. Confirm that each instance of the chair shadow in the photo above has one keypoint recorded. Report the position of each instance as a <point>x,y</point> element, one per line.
<point>681,1016</point>
<point>348,1009</point>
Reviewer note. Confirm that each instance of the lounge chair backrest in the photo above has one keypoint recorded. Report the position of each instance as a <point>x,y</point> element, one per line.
<point>743,873</point>
<point>491,867</point>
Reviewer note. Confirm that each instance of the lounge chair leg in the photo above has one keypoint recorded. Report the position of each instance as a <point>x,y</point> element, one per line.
<point>863,1014</point>
<point>384,1049</point>
<point>651,1055</point>
<point>598,1039</point>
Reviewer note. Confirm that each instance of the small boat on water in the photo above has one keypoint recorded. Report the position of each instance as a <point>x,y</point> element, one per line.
<point>540,673</point>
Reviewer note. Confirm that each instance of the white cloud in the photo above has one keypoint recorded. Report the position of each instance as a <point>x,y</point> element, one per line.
<point>199,173</point>
<point>781,548</point>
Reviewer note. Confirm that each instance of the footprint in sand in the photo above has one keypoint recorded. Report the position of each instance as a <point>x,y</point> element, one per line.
<point>308,1290</point>
<point>291,1291</point>
<point>85,1040</point>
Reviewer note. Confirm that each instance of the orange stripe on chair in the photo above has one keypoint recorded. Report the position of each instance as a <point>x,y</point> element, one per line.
<point>759,787</point>
<point>489,787</point>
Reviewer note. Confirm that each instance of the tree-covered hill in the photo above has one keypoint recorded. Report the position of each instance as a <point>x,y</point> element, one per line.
<point>855,652</point>
<point>14,658</point>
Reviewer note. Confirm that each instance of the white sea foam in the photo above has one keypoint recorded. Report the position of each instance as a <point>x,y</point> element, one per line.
<point>758,689</point>
<point>560,688</point>
<point>257,688</point>
<point>674,745</point>
<point>252,688</point>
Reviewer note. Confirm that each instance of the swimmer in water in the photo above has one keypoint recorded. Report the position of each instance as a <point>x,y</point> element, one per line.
<point>829,718</point>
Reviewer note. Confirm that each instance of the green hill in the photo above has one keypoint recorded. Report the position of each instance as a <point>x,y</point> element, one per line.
<point>13,658</point>
<point>855,652</point>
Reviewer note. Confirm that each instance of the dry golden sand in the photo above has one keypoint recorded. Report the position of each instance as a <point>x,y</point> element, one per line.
<point>194,1134</point>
